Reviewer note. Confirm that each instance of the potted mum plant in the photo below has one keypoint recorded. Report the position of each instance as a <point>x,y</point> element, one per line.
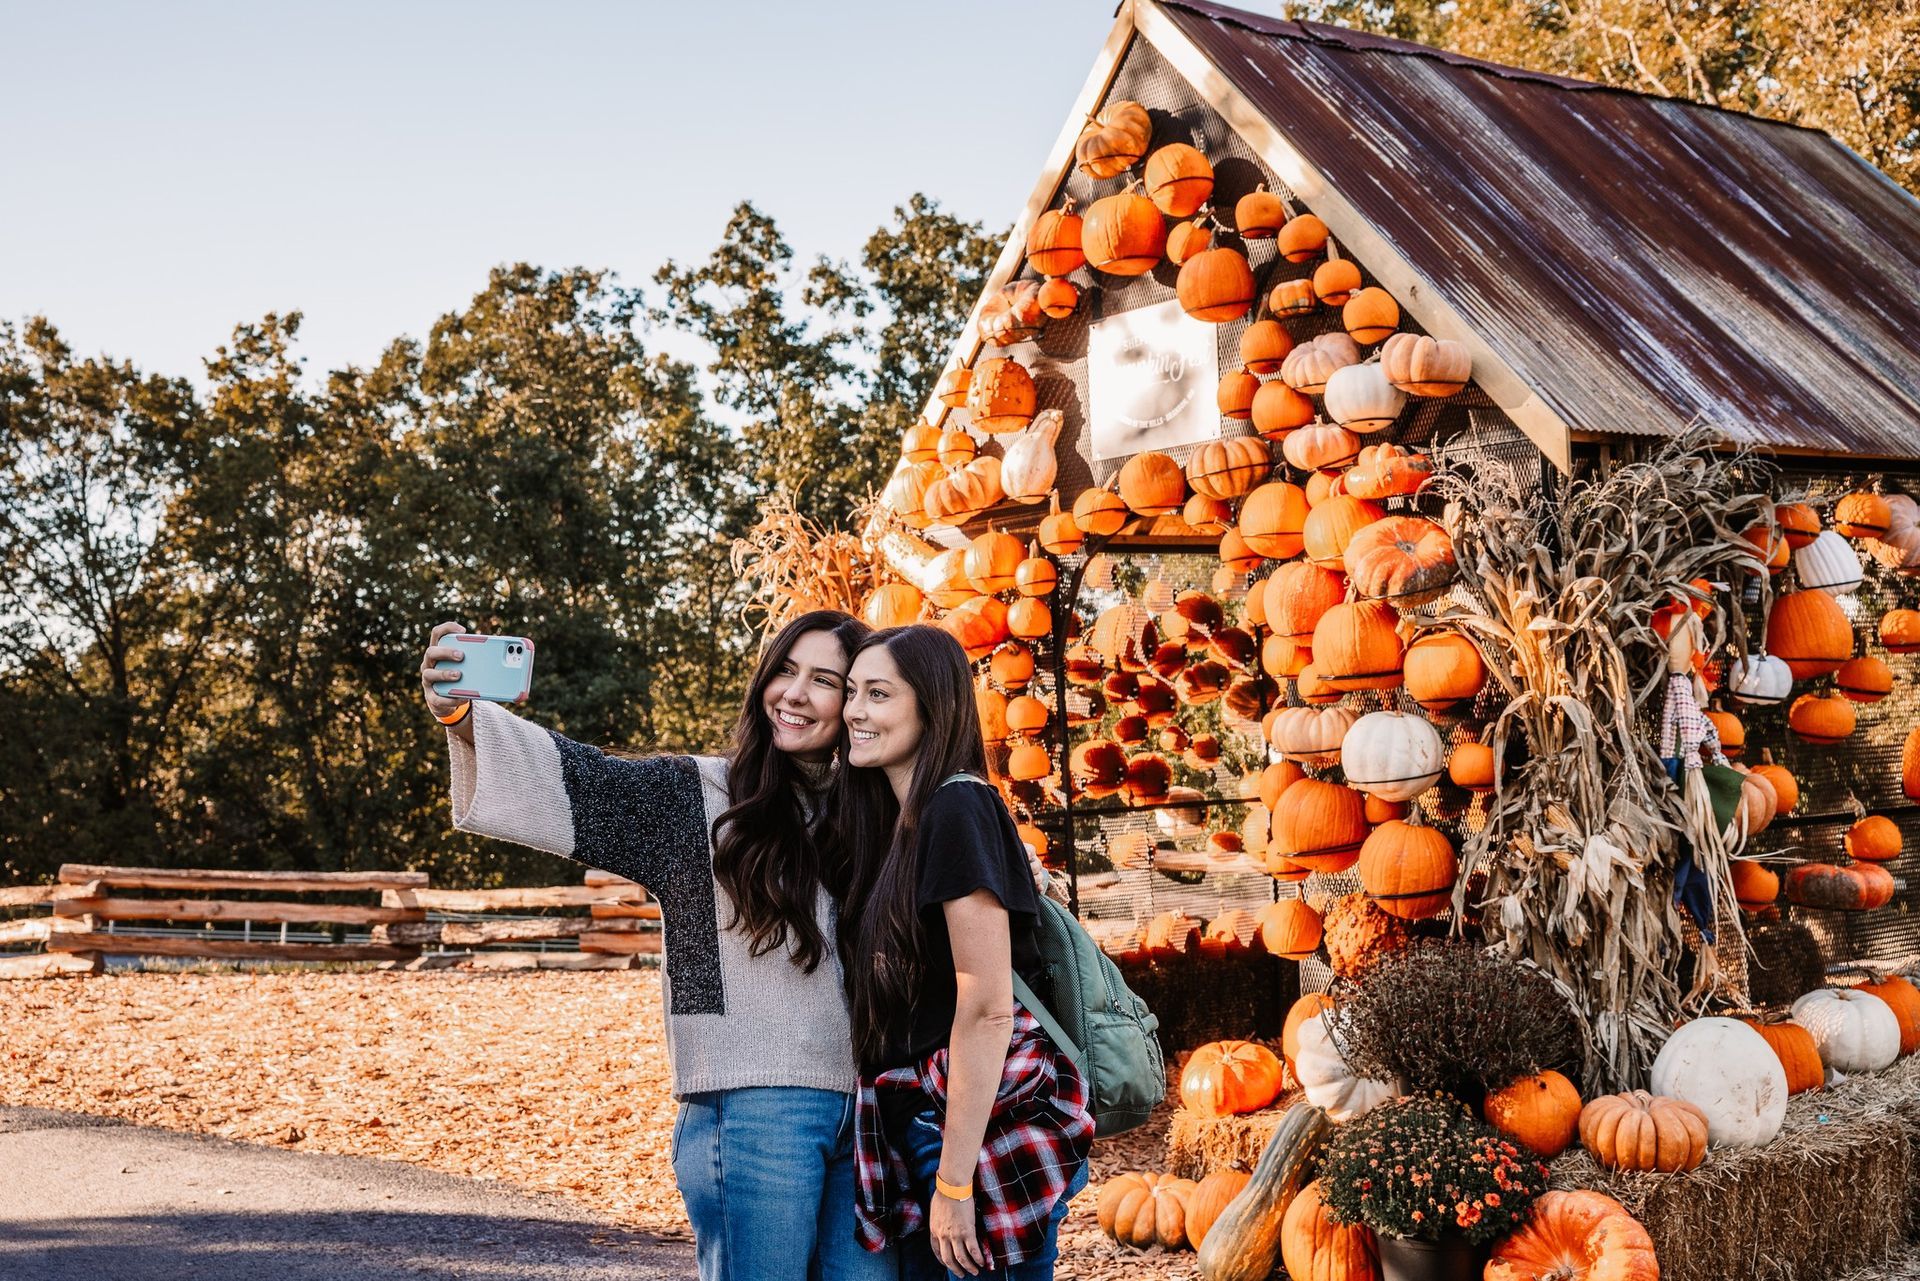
<point>1435,1183</point>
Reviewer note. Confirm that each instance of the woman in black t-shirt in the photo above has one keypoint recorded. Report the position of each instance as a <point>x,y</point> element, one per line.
<point>972,1128</point>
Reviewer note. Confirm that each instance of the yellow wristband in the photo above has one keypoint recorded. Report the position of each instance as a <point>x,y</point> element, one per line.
<point>454,718</point>
<point>952,1191</point>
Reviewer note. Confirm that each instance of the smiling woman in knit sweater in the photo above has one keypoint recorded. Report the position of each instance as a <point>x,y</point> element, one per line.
<point>757,1025</point>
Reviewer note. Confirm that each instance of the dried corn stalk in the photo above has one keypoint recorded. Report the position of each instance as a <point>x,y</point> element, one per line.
<point>1582,840</point>
<point>795,564</point>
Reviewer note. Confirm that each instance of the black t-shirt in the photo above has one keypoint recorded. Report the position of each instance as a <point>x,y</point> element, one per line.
<point>967,842</point>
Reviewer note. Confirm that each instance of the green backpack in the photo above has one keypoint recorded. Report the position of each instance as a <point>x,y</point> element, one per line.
<point>1091,1015</point>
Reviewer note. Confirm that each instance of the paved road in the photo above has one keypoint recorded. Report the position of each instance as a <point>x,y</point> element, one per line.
<point>89,1199</point>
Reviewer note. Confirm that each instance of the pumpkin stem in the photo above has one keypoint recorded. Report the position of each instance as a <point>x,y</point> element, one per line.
<point>1333,250</point>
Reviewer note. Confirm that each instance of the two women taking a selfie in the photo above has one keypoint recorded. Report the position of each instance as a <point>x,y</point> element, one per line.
<point>844,903</point>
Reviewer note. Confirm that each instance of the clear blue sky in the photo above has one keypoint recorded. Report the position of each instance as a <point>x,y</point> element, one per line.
<point>175,168</point>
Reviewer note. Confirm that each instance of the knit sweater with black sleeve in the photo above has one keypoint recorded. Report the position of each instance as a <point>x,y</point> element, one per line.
<point>733,1019</point>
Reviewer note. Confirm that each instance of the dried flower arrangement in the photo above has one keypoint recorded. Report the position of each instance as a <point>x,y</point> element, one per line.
<point>1452,1016</point>
<point>794,565</point>
<point>1581,842</point>
<point>1424,1166</point>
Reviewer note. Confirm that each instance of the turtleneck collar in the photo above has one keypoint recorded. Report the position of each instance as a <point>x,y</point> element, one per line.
<point>814,775</point>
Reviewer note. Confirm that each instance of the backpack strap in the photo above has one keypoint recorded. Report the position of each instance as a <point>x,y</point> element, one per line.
<point>1050,1025</point>
<point>963,777</point>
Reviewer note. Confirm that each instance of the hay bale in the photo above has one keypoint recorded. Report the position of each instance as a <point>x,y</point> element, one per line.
<point>1836,1190</point>
<point>1199,1145</point>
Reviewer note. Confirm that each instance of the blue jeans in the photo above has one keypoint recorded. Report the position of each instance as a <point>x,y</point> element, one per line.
<point>920,1146</point>
<point>767,1175</point>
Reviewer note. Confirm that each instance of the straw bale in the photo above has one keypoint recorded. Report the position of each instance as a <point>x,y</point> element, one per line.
<point>1835,1191</point>
<point>1199,1145</point>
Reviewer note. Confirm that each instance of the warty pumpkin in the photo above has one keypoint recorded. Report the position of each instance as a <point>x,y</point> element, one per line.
<point>1228,1078</point>
<point>1216,286</point>
<point>1357,646</point>
<point>1143,1210</point>
<point>1244,1243</point>
<point>1642,1131</point>
<point>1000,397</point>
<point>1179,179</point>
<point>1123,235</point>
<point>1315,1248</point>
<point>1798,1052</point>
<point>1424,366</point>
<point>1404,559</point>
<point>1357,933</point>
<point>1540,1112</point>
<point>1113,140</point>
<point>1576,1236</point>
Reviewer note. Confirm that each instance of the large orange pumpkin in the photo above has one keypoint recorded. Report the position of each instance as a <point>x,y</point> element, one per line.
<point>1798,1052</point>
<point>1443,670</point>
<point>1357,645</point>
<point>1258,214</point>
<point>1331,527</point>
<point>1874,839</point>
<point>1858,887</point>
<point>1290,929</point>
<point>1227,1078</point>
<point>1053,246</point>
<point>1229,469</point>
<point>1297,595</point>
<point>1271,520</point>
<point>1152,484</point>
<point>1862,515</point>
<point>1209,1197</point>
<point>1786,788</point>
<point>1315,1248</point>
<point>1216,285</point>
<point>1540,1112</point>
<point>1400,558</point>
<point>1576,1236</point>
<point>1904,999</point>
<point>1642,1131</point>
<point>1179,179</point>
<point>1408,870</point>
<point>1123,235</point>
<point>1114,140</point>
<point>1809,632</point>
<point>1822,718</point>
<point>992,560</point>
<point>1279,409</point>
<point>1319,825</point>
<point>1143,1210</point>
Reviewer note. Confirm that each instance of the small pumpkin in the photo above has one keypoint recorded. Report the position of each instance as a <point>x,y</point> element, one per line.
<point>1272,520</point>
<point>1209,1199</point>
<point>1059,298</point>
<point>1216,286</point>
<point>1900,631</point>
<point>1874,839</point>
<point>1575,1236</point>
<point>1187,239</point>
<point>1301,238</point>
<point>1330,528</point>
<point>1258,215</point>
<point>1822,718</point>
<point>893,605</point>
<point>1100,512</point>
<point>1336,280</point>
<point>1423,366</point>
<point>1145,1210</point>
<point>1798,522</point>
<point>1290,929</point>
<point>1311,735</point>
<point>1356,645</point>
<point>1443,670</point>
<point>1370,316</point>
<point>1152,484</point>
<point>1808,631</point>
<point>1760,680</point>
<point>1862,515</point>
<point>1755,886</point>
<point>1540,1112</point>
<point>1229,469</point>
<point>1013,314</point>
<point>1319,446</point>
<point>1642,1131</point>
<point>1000,398</point>
<point>1236,394</point>
<point>1053,245</point>
<point>1865,679</point>
<point>1360,398</point>
<point>1228,1078</point>
<point>951,390</point>
<point>1265,345</point>
<point>1387,471</point>
<point>1292,298</point>
<point>1798,1052</point>
<point>1278,410</point>
<point>1316,1248</point>
<point>1029,618</point>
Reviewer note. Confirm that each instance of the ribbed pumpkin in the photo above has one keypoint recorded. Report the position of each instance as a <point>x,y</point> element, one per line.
<point>1053,246</point>
<point>1575,1236</point>
<point>1404,559</point>
<point>1796,1049</point>
<point>1292,298</point>
<point>1862,515</point>
<point>1900,631</point>
<point>1807,631</point>
<point>1301,237</point>
<point>992,560</point>
<point>1308,366</point>
<point>1423,366</point>
<point>1864,680</point>
<point>1786,788</point>
<point>1755,886</point>
<point>1289,929</point>
<point>952,388</point>
<point>1123,235</point>
<point>1228,1078</point>
<point>1216,286</point>
<point>1370,316</point>
<point>1278,409</point>
<point>1858,887</point>
<point>1874,839</point>
<point>1315,1248</point>
<point>894,605</point>
<point>1539,1112</point>
<point>1642,1131</point>
<point>1143,1210</point>
<point>1179,179</point>
<point>1114,140</point>
<point>1357,646</point>
<point>1331,526</point>
<point>1821,718</point>
<point>1903,998</point>
<point>1298,594</point>
<point>1320,446</point>
<point>1408,870</point>
<point>1392,755</point>
<point>1443,670</point>
<point>1311,735</point>
<point>1359,397</point>
<point>1319,826</point>
<point>1001,397</point>
<point>1209,1198</point>
<point>1152,484</point>
<point>1264,347</point>
<point>1272,519</point>
<point>1910,765</point>
<point>1229,469</point>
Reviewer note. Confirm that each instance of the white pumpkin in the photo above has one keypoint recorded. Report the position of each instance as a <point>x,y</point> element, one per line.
<point>1728,1071</point>
<point>1900,547</point>
<point>1760,679</point>
<point>1027,464</point>
<point>1327,1080</point>
<point>1183,814</point>
<point>1856,1031</point>
<point>1312,735</point>
<point>1360,398</point>
<point>1829,564</point>
<point>1392,755</point>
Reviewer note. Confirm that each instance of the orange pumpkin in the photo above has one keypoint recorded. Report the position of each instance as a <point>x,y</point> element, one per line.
<point>1029,618</point>
<point>992,560</point>
<point>1358,934</point>
<point>1864,680</point>
<point>1208,515</point>
<point>1370,316</point>
<point>1290,929</point>
<point>1059,298</point>
<point>1216,285</point>
<point>1576,1236</point>
<point>1335,281</point>
<point>1298,595</point>
<point>951,391</point>
<point>1187,239</point>
<point>1874,839</point>
<point>1292,298</point>
<point>1124,235</point>
<point>1029,761</point>
<point>920,443</point>
<point>1172,935</point>
<point>1000,398</point>
<point>1443,670</point>
<point>1809,632</point>
<point>1786,788</point>
<point>1152,484</point>
<point>1471,766</point>
<point>1319,826</point>
<point>1408,870</point>
<point>1822,718</point>
<point>1859,887</point>
<point>1144,1210</point>
<point>1642,1131</point>
<point>1100,512</point>
<point>1035,576</point>
<point>1026,715</point>
<point>1301,237</point>
<point>1331,526</point>
<point>1209,1197</point>
<point>1900,631</point>
<point>1058,533</point>
<point>1259,214</point>
<point>1227,1078</point>
<point>1053,246</point>
<point>1271,520</point>
<point>1236,394</point>
<point>1798,522</point>
<point>1357,646</point>
<point>1235,555</point>
<point>1229,469</point>
<point>1013,314</point>
<point>1387,471</point>
<point>894,605</point>
<point>1755,886</point>
<point>1904,999</point>
<point>1539,1112</point>
<point>1279,409</point>
<point>992,706</point>
<point>1732,732</point>
<point>1862,515</point>
<point>1179,179</point>
<point>1315,1248</point>
<point>1310,1006</point>
<point>1400,558</point>
<point>1798,1052</point>
<point>957,448</point>
<point>1114,140</point>
<point>1264,346</point>
<point>979,624</point>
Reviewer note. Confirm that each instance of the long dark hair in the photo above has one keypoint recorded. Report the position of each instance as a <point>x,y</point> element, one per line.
<point>883,945</point>
<point>767,856</point>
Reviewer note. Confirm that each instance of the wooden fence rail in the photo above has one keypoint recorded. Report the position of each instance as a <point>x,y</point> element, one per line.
<point>618,922</point>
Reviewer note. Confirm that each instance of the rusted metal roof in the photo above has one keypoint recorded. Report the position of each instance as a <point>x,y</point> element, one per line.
<point>1639,262</point>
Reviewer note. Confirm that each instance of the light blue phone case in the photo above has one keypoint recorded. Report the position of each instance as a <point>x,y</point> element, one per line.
<point>498,669</point>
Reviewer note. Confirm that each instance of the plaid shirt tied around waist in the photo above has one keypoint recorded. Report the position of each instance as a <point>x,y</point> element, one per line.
<point>1038,1133</point>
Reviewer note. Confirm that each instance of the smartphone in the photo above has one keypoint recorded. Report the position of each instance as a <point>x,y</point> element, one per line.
<point>498,669</point>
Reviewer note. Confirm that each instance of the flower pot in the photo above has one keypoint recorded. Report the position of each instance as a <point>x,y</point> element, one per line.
<point>1452,1258</point>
